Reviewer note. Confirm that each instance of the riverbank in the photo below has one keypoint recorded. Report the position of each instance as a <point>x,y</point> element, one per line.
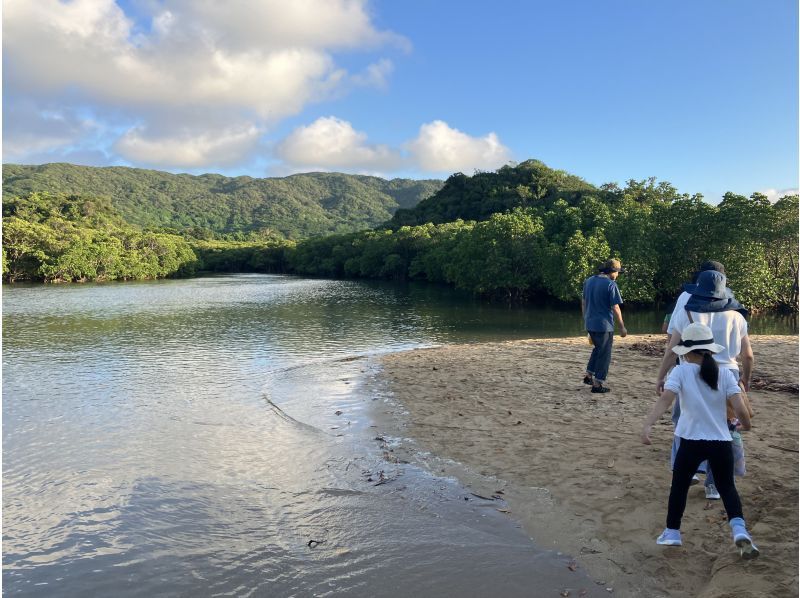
<point>572,471</point>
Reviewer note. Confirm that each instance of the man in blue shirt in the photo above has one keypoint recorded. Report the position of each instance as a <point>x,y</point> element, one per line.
<point>600,304</point>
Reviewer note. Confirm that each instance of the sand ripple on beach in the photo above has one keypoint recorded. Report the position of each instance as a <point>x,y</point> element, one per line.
<point>519,413</point>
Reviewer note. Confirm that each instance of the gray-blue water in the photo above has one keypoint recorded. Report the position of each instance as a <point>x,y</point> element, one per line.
<point>181,438</point>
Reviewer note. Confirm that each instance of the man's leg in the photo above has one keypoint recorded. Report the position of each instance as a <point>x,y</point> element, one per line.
<point>592,365</point>
<point>602,343</point>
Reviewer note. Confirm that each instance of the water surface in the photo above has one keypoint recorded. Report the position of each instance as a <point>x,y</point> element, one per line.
<point>182,438</point>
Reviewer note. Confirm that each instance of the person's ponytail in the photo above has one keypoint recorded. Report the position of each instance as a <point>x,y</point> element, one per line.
<point>709,370</point>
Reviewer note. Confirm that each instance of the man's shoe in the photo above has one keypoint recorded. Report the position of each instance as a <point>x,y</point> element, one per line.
<point>711,492</point>
<point>587,379</point>
<point>742,539</point>
<point>670,537</point>
<point>601,388</point>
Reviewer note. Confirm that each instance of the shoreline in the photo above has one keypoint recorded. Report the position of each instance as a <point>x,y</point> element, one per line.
<point>514,416</point>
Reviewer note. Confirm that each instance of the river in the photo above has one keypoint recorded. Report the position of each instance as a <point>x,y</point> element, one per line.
<point>216,436</point>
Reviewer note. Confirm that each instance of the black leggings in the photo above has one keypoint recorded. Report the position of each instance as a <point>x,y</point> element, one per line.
<point>691,453</point>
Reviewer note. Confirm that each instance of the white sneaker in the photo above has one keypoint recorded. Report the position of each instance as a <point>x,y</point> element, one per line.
<point>742,539</point>
<point>711,492</point>
<point>695,480</point>
<point>669,537</point>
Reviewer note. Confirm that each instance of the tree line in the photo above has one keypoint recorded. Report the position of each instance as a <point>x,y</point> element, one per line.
<point>548,232</point>
<point>532,252</point>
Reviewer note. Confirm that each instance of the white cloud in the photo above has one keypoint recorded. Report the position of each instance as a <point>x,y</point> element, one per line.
<point>775,194</point>
<point>375,75</point>
<point>258,60</point>
<point>331,143</point>
<point>188,149</point>
<point>89,45</point>
<point>441,148</point>
<point>31,131</point>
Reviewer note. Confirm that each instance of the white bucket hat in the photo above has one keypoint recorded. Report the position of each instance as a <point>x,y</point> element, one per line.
<point>697,336</point>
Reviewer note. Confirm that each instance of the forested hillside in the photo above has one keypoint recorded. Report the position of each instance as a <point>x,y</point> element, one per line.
<point>296,207</point>
<point>61,238</point>
<point>529,231</point>
<point>485,193</point>
<point>524,232</point>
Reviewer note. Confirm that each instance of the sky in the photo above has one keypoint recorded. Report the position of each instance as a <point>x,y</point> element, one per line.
<point>700,93</point>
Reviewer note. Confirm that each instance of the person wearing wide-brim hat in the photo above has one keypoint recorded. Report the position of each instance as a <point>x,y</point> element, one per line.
<point>600,305</point>
<point>680,302</point>
<point>705,391</point>
<point>712,303</point>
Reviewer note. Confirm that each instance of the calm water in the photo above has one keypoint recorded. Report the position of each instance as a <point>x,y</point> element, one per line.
<point>182,438</point>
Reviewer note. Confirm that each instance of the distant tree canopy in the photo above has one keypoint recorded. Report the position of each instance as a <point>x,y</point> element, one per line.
<point>522,233</point>
<point>65,238</point>
<point>529,231</point>
<point>294,207</point>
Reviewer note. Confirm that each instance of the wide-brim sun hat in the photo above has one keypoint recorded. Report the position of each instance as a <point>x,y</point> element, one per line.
<point>611,265</point>
<point>710,284</point>
<point>697,336</point>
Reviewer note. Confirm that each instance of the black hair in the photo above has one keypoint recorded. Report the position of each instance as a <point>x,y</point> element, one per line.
<point>709,370</point>
<point>705,267</point>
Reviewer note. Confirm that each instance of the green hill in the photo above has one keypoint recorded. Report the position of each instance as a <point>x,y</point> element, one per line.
<point>297,206</point>
<point>477,197</point>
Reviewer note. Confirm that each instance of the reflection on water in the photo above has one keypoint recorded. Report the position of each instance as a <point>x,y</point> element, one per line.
<point>182,437</point>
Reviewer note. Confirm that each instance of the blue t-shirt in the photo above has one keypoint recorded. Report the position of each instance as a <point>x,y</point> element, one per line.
<point>600,294</point>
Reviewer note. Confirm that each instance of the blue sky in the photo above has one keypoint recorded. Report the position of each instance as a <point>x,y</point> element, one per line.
<point>703,94</point>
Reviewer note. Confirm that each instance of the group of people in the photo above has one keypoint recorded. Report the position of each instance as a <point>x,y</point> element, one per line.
<point>700,375</point>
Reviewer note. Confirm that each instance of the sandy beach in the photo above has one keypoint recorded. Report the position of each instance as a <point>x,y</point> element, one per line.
<point>520,425</point>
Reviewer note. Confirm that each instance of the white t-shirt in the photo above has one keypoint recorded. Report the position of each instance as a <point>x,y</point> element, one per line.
<point>728,328</point>
<point>680,307</point>
<point>703,409</point>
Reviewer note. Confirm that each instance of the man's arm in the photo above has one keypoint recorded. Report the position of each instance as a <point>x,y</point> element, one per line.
<point>746,355</point>
<point>667,362</point>
<point>618,314</point>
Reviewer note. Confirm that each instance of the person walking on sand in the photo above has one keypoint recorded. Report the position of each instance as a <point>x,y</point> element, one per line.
<point>705,390</point>
<point>710,302</point>
<point>600,305</point>
<point>678,307</point>
<point>679,304</point>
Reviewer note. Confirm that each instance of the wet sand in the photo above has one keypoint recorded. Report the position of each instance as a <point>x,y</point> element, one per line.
<point>514,420</point>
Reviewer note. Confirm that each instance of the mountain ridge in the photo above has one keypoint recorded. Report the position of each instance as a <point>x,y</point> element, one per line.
<point>297,206</point>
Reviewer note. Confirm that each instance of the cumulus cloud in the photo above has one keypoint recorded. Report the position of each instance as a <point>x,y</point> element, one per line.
<point>775,194</point>
<point>262,60</point>
<point>48,132</point>
<point>195,55</point>
<point>441,148</point>
<point>188,149</point>
<point>331,143</point>
<point>375,75</point>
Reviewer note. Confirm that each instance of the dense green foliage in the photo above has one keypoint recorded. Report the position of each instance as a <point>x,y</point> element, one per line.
<point>556,229</point>
<point>64,238</point>
<point>524,232</point>
<point>478,197</point>
<point>242,256</point>
<point>295,207</point>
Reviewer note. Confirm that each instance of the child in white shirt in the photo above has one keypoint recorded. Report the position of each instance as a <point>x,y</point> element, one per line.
<point>704,390</point>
